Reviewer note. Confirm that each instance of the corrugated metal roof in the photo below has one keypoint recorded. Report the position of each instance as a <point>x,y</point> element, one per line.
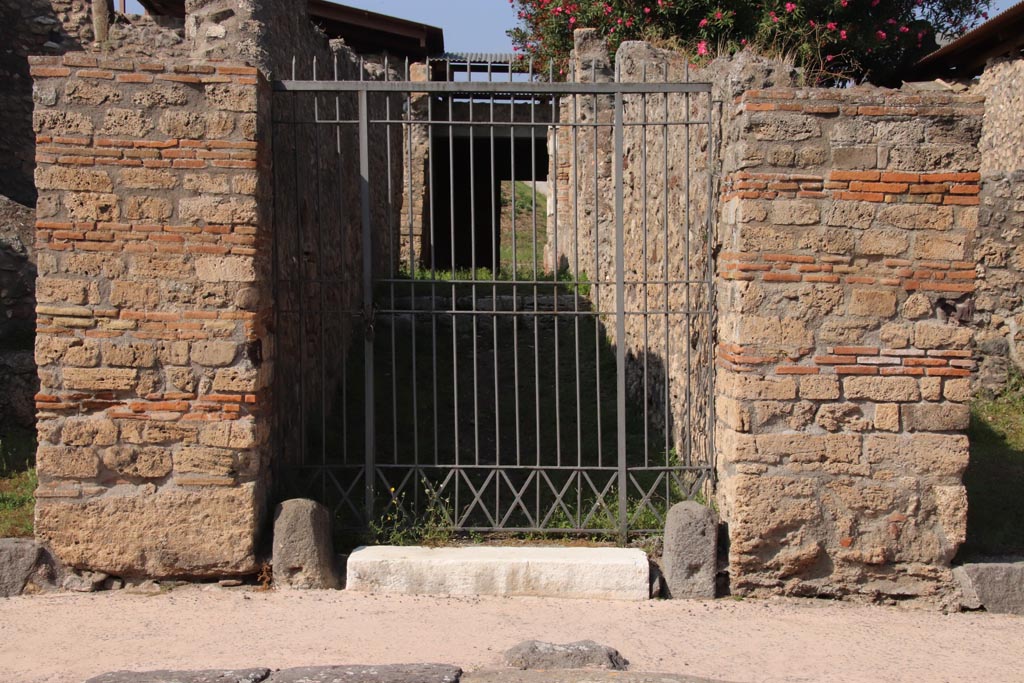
<point>478,57</point>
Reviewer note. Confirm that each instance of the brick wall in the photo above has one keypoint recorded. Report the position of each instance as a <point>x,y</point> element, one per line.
<point>153,305</point>
<point>843,374</point>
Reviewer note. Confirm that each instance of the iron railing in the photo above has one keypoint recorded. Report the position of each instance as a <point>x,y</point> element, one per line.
<point>494,296</point>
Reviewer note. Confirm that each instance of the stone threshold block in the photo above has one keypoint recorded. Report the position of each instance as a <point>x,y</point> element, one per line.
<point>595,573</point>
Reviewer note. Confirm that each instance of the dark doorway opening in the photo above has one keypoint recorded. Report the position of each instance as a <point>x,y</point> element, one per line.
<point>468,170</point>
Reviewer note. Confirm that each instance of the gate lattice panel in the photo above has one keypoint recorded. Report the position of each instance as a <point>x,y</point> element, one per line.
<point>494,298</point>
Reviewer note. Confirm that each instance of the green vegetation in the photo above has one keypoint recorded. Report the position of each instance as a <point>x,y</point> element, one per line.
<point>17,483</point>
<point>876,40</point>
<point>995,476</point>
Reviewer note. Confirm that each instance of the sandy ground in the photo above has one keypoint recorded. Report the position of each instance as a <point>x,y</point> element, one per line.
<point>66,637</point>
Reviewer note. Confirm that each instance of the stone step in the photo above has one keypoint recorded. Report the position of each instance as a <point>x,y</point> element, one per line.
<point>596,573</point>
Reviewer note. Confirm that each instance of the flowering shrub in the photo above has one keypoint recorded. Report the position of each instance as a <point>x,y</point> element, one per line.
<point>864,39</point>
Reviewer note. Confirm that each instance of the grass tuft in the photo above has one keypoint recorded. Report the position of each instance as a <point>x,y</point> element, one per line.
<point>17,483</point>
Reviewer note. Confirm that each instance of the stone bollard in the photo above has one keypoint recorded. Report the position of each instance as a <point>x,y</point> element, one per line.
<point>26,567</point>
<point>303,550</point>
<point>690,556</point>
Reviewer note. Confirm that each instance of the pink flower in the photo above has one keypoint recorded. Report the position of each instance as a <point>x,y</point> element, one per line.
<point>790,6</point>
<point>831,26</point>
<point>703,23</point>
<point>842,35</point>
<point>743,41</point>
<point>718,15</point>
<point>829,58</point>
<point>647,10</point>
<point>904,29</point>
<point>702,47</point>
<point>880,35</point>
<point>572,20</point>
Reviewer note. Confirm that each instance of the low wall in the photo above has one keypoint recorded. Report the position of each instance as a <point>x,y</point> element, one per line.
<point>844,371</point>
<point>153,304</point>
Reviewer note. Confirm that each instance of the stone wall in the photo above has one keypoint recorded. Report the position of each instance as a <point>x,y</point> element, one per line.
<point>844,371</point>
<point>18,383</point>
<point>53,27</point>
<point>153,309</point>
<point>999,251</point>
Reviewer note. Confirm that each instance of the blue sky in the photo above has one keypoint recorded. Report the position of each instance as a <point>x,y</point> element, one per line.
<point>470,25</point>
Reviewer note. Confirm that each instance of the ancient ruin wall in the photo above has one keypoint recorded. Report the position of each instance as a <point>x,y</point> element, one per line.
<point>152,321</point>
<point>1000,250</point>
<point>843,369</point>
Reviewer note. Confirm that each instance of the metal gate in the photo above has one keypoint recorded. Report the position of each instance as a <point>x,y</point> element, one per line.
<point>494,295</point>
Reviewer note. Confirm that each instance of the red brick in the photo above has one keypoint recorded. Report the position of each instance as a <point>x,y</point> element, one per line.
<point>855,350</point>
<point>782,277</point>
<point>855,175</point>
<point>835,360</point>
<point>796,370</point>
<point>862,196</point>
<point>902,372</point>
<point>891,177</point>
<point>856,370</point>
<point>948,372</point>
<point>49,71</point>
<point>962,200</point>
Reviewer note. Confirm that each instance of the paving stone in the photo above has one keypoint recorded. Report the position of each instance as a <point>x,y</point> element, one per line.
<point>584,654</point>
<point>578,676</point>
<point>401,673</point>
<point>209,676</point>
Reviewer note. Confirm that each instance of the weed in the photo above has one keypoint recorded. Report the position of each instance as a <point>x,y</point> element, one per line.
<point>18,483</point>
<point>398,524</point>
<point>266,576</point>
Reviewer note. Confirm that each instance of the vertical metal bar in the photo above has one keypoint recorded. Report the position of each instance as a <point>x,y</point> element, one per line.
<point>688,302</point>
<point>555,288</point>
<point>320,314</point>
<point>474,276</point>
<point>454,306</point>
<point>368,367</point>
<point>300,243</point>
<point>620,320</point>
<point>536,293</point>
<point>598,275</point>
<point>576,273</point>
<point>515,279</point>
<point>709,271</point>
<point>496,269</point>
<point>646,274</point>
<point>433,272</point>
<point>392,260</point>
<point>408,163</point>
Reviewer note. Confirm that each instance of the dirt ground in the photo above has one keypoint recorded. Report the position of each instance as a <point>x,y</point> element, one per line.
<point>68,637</point>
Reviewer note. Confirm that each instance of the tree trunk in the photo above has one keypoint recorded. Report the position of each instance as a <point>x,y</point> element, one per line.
<point>101,20</point>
